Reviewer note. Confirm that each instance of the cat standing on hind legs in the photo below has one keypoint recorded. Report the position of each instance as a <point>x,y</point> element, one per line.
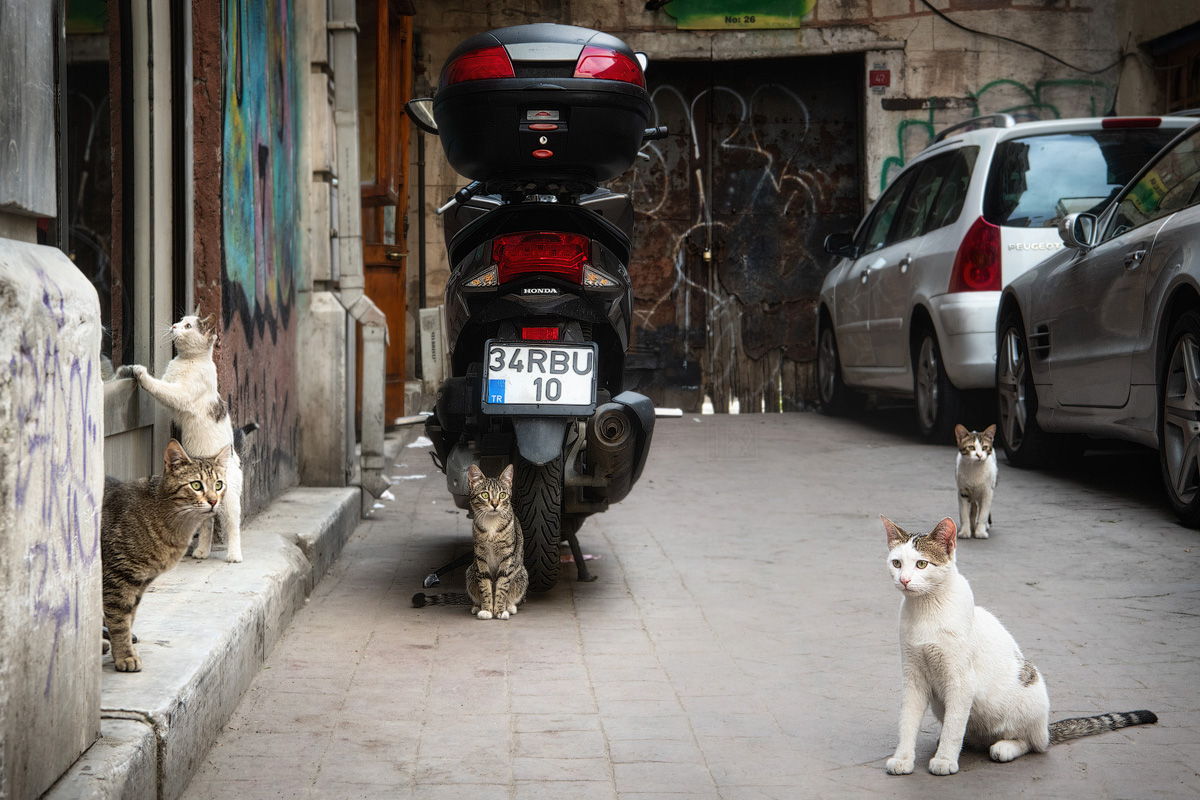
<point>975,473</point>
<point>189,388</point>
<point>961,662</point>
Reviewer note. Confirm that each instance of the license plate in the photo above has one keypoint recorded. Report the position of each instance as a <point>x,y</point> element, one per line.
<point>523,378</point>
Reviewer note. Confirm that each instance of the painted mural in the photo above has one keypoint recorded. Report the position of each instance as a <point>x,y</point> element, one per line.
<point>259,177</point>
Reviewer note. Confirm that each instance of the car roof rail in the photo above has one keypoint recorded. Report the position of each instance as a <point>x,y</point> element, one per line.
<point>1187,112</point>
<point>997,121</point>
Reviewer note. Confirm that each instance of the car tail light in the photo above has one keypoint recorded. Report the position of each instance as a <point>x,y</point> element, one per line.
<point>1131,122</point>
<point>478,65</point>
<point>611,65</point>
<point>549,334</point>
<point>977,265</point>
<point>542,253</point>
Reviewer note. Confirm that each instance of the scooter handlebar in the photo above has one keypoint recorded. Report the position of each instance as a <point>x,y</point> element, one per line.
<point>461,196</point>
<point>651,134</point>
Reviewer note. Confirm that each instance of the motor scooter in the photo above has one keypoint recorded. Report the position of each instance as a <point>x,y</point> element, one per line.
<point>539,301</point>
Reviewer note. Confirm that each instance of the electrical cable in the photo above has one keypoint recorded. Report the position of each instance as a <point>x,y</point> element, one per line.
<point>1018,42</point>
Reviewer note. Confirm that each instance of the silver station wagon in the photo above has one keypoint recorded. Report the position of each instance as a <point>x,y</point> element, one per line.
<point>909,308</point>
<point>1103,338</point>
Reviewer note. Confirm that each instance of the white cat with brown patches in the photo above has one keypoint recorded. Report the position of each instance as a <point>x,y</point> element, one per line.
<point>189,388</point>
<point>961,662</point>
<point>975,473</point>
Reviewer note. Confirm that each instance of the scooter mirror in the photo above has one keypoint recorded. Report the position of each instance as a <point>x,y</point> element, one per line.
<point>642,60</point>
<point>420,111</point>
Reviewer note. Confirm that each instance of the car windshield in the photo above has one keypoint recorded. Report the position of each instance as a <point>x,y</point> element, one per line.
<point>1037,180</point>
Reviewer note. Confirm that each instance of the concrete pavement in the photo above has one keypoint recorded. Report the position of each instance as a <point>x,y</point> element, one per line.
<point>741,641</point>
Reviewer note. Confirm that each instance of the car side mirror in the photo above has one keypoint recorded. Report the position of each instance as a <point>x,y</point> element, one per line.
<point>420,111</point>
<point>841,244</point>
<point>1077,230</point>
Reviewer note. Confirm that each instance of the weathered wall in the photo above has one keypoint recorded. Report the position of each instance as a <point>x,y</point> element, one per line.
<point>27,107</point>
<point>261,92</point>
<point>938,74</point>
<point>51,486</point>
<point>1139,91</point>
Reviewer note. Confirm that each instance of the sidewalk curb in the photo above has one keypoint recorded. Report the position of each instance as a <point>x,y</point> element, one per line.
<point>206,629</point>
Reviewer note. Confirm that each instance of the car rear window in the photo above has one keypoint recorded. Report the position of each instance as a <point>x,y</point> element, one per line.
<point>1036,180</point>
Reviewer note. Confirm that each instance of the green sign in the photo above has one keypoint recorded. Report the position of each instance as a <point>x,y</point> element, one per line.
<point>739,14</point>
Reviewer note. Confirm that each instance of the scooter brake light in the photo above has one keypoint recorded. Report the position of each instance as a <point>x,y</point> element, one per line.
<point>562,255</point>
<point>547,334</point>
<point>601,62</point>
<point>488,278</point>
<point>595,279</point>
<point>478,65</point>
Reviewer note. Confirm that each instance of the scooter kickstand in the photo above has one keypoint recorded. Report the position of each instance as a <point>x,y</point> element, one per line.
<point>581,570</point>
<point>435,578</point>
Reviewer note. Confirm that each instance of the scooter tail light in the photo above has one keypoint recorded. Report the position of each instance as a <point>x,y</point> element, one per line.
<point>612,65</point>
<point>540,334</point>
<point>595,279</point>
<point>478,65</point>
<point>977,265</point>
<point>561,255</point>
<point>487,279</point>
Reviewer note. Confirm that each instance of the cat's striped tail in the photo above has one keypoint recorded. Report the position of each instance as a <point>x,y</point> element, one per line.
<point>1077,727</point>
<point>420,599</point>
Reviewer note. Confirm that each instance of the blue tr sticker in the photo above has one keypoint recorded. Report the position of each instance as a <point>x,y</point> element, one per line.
<point>495,390</point>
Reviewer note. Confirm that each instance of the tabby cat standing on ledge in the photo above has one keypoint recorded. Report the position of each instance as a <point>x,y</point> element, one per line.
<point>145,527</point>
<point>189,388</point>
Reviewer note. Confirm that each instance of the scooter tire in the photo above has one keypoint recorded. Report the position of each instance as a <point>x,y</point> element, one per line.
<point>539,491</point>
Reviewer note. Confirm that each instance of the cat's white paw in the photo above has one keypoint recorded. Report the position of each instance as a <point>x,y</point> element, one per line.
<point>900,766</point>
<point>234,557</point>
<point>981,532</point>
<point>942,766</point>
<point>502,615</point>
<point>512,608</point>
<point>200,553</point>
<point>1007,750</point>
<point>964,532</point>
<point>484,614</point>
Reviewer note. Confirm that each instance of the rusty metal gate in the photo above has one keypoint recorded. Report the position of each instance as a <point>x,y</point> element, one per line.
<point>732,210</point>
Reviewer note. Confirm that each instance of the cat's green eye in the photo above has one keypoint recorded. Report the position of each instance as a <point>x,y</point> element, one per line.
<point>503,495</point>
<point>219,486</point>
<point>197,485</point>
<point>922,564</point>
<point>484,495</point>
<point>896,563</point>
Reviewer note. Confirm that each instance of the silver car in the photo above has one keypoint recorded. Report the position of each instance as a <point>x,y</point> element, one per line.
<point>909,308</point>
<point>1103,338</point>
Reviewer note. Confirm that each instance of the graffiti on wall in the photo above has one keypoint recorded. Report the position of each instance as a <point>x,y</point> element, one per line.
<point>56,414</point>
<point>1045,99</point>
<point>731,212</point>
<point>259,171</point>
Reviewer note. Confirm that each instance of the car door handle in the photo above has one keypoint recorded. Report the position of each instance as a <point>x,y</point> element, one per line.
<point>904,264</point>
<point>1133,258</point>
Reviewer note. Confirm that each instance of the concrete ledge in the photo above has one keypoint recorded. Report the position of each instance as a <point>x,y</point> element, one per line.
<point>205,629</point>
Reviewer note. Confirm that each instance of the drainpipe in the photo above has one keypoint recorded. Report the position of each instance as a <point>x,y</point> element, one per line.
<point>343,28</point>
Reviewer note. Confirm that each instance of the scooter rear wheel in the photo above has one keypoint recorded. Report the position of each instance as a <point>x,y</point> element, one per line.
<point>539,490</point>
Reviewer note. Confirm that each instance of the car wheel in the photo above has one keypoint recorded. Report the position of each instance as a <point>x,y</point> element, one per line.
<point>834,397</point>
<point>1179,420</point>
<point>939,403</point>
<point>1025,444</point>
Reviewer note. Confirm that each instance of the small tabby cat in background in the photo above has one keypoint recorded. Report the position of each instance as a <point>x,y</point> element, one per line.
<point>496,577</point>
<point>959,660</point>
<point>146,526</point>
<point>189,388</point>
<point>975,472</point>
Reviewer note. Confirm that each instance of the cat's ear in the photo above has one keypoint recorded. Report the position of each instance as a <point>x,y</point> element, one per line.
<point>474,475</point>
<point>946,534</point>
<point>223,457</point>
<point>960,432</point>
<point>507,476</point>
<point>209,324</point>
<point>175,456</point>
<point>896,535</point>
<point>989,433</point>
